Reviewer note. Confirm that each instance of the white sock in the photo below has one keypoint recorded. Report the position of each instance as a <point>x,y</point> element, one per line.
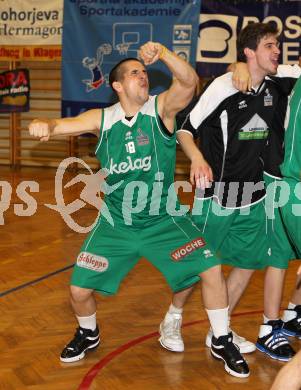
<point>219,321</point>
<point>291,305</point>
<point>288,315</point>
<point>264,331</point>
<point>229,325</point>
<point>87,322</point>
<point>266,319</point>
<point>174,310</point>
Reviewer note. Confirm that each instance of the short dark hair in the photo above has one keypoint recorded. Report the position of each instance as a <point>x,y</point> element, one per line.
<point>251,35</point>
<point>117,71</point>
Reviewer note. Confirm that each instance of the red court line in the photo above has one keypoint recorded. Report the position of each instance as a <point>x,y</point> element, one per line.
<point>93,372</point>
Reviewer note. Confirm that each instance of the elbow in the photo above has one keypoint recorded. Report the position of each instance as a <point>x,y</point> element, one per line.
<point>189,79</point>
<point>194,85</point>
<point>193,80</point>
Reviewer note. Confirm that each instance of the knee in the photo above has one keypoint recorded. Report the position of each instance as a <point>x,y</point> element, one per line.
<point>79,294</point>
<point>213,275</point>
<point>245,274</point>
<point>272,271</point>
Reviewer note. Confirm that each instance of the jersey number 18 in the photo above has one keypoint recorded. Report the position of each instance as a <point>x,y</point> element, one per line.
<point>130,147</point>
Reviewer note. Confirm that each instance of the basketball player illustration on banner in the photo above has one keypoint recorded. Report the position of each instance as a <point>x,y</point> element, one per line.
<point>94,65</point>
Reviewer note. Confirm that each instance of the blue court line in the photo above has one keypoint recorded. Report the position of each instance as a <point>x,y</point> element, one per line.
<point>2,294</point>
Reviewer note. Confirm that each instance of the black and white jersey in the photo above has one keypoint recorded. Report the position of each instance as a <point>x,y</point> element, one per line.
<point>274,149</point>
<point>233,129</point>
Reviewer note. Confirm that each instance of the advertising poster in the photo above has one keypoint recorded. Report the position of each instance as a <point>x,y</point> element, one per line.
<point>221,22</point>
<point>14,91</point>
<point>99,34</point>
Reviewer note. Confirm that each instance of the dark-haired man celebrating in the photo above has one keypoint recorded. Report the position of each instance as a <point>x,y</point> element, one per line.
<point>137,148</point>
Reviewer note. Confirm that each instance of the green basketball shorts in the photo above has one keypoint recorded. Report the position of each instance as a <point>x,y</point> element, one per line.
<point>238,236</point>
<point>174,245</point>
<point>280,249</point>
<point>291,213</point>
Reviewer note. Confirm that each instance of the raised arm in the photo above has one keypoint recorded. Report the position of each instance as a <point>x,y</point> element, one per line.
<point>87,122</point>
<point>184,82</point>
<point>241,76</point>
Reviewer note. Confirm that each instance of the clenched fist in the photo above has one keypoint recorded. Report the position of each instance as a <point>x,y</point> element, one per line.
<point>40,128</point>
<point>150,52</point>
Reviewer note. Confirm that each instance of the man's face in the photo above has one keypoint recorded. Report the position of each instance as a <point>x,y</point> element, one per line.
<point>135,82</point>
<point>267,55</point>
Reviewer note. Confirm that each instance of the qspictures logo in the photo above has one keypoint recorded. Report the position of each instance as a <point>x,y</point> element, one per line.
<point>95,185</point>
<point>135,198</point>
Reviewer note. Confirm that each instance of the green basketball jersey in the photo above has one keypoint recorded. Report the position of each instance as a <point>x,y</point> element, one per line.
<point>291,166</point>
<point>139,158</point>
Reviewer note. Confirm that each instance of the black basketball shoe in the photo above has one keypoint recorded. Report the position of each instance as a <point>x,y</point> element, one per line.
<point>222,348</point>
<point>273,342</point>
<point>84,340</point>
<point>293,326</point>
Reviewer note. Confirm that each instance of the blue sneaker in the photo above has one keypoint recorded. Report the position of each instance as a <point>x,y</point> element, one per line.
<point>273,342</point>
<point>292,327</point>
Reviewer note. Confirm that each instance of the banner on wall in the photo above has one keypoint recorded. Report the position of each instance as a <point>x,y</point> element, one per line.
<point>221,21</point>
<point>31,30</point>
<point>14,91</point>
<point>99,34</point>
<point>30,53</point>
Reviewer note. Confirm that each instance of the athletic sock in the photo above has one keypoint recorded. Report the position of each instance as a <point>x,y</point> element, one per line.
<point>87,322</point>
<point>288,315</point>
<point>291,306</point>
<point>266,319</point>
<point>174,310</point>
<point>219,321</point>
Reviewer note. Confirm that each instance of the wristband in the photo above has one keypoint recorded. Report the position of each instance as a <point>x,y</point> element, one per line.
<point>163,51</point>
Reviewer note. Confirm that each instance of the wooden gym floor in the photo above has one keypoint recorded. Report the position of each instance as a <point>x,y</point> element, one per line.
<point>37,253</point>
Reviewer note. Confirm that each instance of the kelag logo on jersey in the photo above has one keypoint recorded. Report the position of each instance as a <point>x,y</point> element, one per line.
<point>143,164</point>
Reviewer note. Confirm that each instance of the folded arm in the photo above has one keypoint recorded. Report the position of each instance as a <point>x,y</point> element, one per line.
<point>183,86</point>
